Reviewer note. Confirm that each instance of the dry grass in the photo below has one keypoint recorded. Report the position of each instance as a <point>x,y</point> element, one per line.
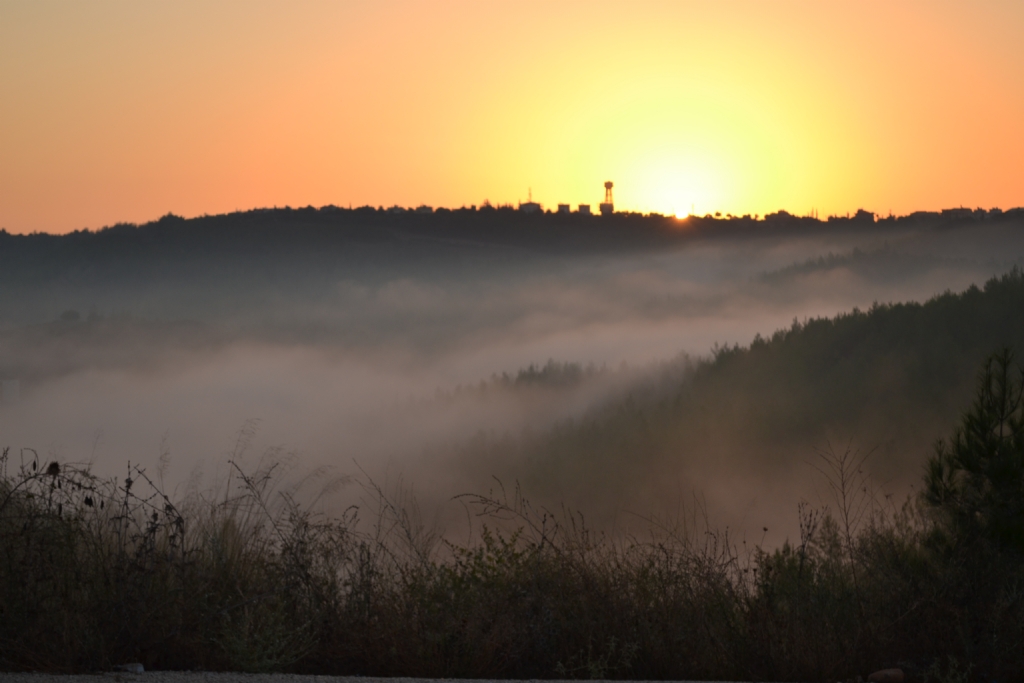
<point>96,572</point>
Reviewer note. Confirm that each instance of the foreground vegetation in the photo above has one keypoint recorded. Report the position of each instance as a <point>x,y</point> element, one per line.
<point>96,572</point>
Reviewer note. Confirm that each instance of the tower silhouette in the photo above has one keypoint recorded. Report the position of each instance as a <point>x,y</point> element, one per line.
<point>608,206</point>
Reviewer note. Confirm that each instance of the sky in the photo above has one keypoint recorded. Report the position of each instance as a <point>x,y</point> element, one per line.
<point>117,111</point>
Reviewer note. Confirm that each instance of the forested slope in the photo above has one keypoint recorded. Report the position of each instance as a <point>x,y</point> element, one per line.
<point>888,380</point>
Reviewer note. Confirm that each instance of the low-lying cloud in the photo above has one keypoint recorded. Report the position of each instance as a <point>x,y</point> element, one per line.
<point>360,369</point>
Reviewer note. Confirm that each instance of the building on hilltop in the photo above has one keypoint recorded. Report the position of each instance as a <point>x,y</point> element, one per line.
<point>959,213</point>
<point>530,206</point>
<point>922,216</point>
<point>863,216</point>
<point>584,210</point>
<point>564,208</point>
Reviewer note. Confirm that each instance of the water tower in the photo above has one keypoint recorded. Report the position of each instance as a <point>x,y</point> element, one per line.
<point>608,206</point>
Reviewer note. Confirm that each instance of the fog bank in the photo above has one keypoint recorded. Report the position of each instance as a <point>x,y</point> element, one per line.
<point>359,368</point>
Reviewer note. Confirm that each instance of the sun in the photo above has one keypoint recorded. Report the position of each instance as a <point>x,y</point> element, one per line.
<point>672,195</point>
<point>678,188</point>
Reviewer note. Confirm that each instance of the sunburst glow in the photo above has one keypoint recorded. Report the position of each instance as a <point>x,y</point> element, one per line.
<point>743,107</point>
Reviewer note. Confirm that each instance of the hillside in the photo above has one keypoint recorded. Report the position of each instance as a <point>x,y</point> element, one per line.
<point>741,429</point>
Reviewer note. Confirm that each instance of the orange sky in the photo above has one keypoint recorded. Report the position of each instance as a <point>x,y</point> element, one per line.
<point>122,111</point>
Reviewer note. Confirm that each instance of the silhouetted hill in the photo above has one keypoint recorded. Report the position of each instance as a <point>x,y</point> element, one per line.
<point>331,236</point>
<point>239,264</point>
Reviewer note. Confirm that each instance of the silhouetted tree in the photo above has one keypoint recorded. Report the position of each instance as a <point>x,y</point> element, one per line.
<point>976,480</point>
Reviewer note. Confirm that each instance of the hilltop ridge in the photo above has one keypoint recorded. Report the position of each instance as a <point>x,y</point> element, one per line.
<point>367,223</point>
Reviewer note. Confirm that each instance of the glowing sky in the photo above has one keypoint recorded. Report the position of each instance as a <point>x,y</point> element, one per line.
<point>123,111</point>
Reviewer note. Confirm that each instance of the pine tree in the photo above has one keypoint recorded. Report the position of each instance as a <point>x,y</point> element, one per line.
<point>975,482</point>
